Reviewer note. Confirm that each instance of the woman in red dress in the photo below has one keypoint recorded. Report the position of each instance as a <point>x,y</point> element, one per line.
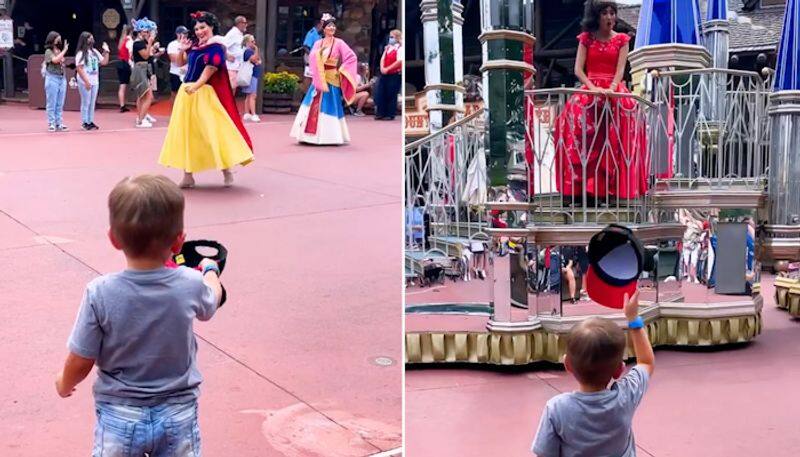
<point>612,143</point>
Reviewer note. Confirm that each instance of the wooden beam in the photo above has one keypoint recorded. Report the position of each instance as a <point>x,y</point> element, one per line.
<point>538,24</point>
<point>560,34</point>
<point>550,53</point>
<point>154,10</point>
<point>261,38</point>
<point>8,61</point>
<point>272,34</point>
<point>138,7</point>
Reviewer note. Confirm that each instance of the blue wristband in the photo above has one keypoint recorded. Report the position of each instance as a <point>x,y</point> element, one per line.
<point>213,267</point>
<point>636,323</point>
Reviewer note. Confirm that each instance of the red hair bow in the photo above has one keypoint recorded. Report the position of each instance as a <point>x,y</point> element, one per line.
<point>196,15</point>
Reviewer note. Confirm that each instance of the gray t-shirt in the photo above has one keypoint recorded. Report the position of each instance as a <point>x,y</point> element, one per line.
<point>137,326</point>
<point>594,424</point>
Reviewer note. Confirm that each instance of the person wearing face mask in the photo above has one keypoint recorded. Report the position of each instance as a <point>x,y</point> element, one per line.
<point>391,78</point>
<point>87,62</point>
<point>55,84</point>
<point>205,131</point>
<point>140,75</point>
<point>320,119</point>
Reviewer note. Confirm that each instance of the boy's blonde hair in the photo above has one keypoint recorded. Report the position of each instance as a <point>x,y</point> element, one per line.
<point>247,38</point>
<point>146,214</point>
<point>596,348</point>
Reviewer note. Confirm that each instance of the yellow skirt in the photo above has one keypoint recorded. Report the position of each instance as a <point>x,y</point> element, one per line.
<point>201,136</point>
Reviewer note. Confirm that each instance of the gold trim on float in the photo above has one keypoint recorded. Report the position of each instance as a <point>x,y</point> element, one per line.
<point>787,295</point>
<point>503,34</point>
<point>441,107</point>
<point>506,64</point>
<point>453,87</point>
<point>539,345</point>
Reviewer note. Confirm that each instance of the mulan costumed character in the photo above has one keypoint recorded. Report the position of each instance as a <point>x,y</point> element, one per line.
<point>320,119</point>
<point>205,130</point>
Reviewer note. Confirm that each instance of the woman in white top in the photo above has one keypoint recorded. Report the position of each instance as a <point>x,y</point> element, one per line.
<point>87,62</point>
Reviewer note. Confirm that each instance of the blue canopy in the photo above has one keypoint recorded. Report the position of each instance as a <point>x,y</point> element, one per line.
<point>668,21</point>
<point>717,10</point>
<point>787,73</point>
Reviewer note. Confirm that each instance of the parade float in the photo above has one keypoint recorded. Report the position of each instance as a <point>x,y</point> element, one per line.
<point>496,227</point>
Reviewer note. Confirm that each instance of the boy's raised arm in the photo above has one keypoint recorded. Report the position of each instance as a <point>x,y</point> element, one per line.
<point>641,344</point>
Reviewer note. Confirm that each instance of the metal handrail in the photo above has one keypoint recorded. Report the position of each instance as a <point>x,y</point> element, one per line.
<point>443,131</point>
<point>570,90</point>
<point>709,70</point>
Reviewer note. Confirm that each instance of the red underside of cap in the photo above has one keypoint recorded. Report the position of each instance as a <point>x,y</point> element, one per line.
<point>606,294</point>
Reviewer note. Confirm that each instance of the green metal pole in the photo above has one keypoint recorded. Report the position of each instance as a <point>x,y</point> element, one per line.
<point>506,28</point>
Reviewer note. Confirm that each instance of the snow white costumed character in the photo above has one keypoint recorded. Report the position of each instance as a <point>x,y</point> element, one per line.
<point>333,65</point>
<point>205,130</point>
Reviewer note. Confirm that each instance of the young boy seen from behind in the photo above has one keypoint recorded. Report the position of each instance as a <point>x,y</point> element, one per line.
<point>136,326</point>
<point>596,420</point>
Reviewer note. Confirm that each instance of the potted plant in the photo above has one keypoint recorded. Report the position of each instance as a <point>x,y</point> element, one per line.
<point>279,87</point>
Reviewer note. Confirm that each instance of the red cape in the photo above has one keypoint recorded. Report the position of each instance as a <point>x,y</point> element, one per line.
<point>221,84</point>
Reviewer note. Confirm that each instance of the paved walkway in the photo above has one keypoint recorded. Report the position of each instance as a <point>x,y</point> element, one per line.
<point>739,401</point>
<point>295,363</point>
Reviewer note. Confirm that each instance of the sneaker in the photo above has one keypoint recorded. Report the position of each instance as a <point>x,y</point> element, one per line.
<point>150,118</point>
<point>62,128</point>
<point>51,128</point>
<point>93,126</point>
<point>144,124</point>
<point>255,118</point>
<point>359,113</point>
<point>124,109</point>
<point>86,126</point>
<point>247,117</point>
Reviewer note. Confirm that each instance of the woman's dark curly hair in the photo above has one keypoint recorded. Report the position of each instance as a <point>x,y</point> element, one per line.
<point>206,18</point>
<point>592,12</point>
<point>50,41</point>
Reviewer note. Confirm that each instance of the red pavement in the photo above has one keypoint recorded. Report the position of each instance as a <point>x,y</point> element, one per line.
<point>739,401</point>
<point>313,275</point>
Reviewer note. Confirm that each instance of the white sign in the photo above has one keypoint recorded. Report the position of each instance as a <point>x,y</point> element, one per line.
<point>6,34</point>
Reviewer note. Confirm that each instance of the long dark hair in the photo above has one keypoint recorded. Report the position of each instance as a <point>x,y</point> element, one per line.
<point>83,45</point>
<point>592,12</point>
<point>50,41</point>
<point>206,18</point>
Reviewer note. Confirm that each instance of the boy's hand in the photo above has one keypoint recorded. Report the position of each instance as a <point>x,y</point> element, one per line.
<point>631,306</point>
<point>60,388</point>
<point>207,261</point>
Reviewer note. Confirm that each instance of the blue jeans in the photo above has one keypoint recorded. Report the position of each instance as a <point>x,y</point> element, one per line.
<point>55,89</point>
<point>165,430</point>
<point>88,100</point>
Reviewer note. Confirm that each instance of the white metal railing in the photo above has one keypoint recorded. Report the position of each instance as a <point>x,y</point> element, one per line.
<point>445,183</point>
<point>594,158</point>
<point>710,129</point>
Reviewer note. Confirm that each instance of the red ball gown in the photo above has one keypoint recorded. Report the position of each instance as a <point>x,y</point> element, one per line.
<point>612,144</point>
